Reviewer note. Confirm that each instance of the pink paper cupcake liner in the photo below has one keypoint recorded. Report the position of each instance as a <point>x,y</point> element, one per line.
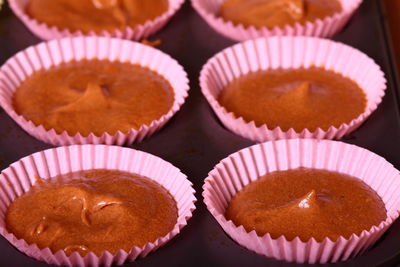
<point>290,53</point>
<point>48,54</point>
<point>247,165</point>
<point>47,32</point>
<point>326,27</point>
<point>19,177</point>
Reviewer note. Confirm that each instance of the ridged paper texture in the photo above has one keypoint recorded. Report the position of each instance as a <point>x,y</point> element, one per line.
<point>290,53</point>
<point>48,54</point>
<point>326,27</point>
<point>21,175</point>
<point>47,32</point>
<point>245,166</point>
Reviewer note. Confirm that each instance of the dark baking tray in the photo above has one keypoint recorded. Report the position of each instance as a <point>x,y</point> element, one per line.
<point>195,140</point>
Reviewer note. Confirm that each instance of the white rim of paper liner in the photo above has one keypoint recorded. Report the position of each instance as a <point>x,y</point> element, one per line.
<point>288,52</point>
<point>47,32</point>
<point>52,53</point>
<point>239,169</point>
<point>19,177</point>
<point>326,27</point>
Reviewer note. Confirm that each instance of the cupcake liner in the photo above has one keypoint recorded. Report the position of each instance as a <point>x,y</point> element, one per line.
<point>47,32</point>
<point>247,165</point>
<point>47,54</point>
<point>327,27</point>
<point>21,175</point>
<point>290,53</point>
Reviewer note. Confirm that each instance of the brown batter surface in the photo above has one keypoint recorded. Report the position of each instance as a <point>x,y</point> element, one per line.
<point>307,203</point>
<point>95,15</point>
<point>94,96</point>
<point>299,99</point>
<point>93,211</point>
<point>271,13</point>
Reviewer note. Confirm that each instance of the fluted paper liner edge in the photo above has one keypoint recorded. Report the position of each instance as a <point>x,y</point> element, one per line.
<point>290,53</point>
<point>239,169</point>
<point>47,32</point>
<point>52,53</point>
<point>20,176</point>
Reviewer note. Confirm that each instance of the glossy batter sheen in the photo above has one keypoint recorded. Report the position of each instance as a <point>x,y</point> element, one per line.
<point>93,211</point>
<point>95,15</point>
<point>94,96</point>
<point>299,99</point>
<point>307,203</point>
<point>271,13</point>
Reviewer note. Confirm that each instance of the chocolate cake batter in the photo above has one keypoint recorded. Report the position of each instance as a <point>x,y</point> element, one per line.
<point>92,211</point>
<point>271,13</point>
<point>299,98</point>
<point>95,15</point>
<point>94,96</point>
<point>307,203</point>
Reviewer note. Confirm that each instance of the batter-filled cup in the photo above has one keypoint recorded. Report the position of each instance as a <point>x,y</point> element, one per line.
<point>20,176</point>
<point>48,54</point>
<point>236,171</point>
<point>290,53</point>
<point>48,32</point>
<point>326,27</point>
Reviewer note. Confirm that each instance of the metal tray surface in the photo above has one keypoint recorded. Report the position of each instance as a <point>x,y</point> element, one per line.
<point>194,140</point>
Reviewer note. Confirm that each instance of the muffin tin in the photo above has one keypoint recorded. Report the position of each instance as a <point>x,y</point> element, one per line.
<point>195,141</point>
